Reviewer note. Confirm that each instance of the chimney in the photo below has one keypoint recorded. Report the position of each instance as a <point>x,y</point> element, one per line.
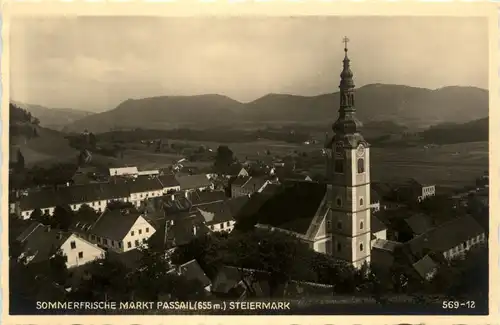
<point>194,230</point>
<point>47,228</point>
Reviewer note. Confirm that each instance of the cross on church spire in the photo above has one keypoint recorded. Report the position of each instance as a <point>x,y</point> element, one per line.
<point>345,40</point>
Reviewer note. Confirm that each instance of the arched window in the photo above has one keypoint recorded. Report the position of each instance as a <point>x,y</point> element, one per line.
<point>339,247</point>
<point>361,202</point>
<point>361,247</point>
<point>339,225</point>
<point>361,165</point>
<point>339,202</point>
<point>361,225</point>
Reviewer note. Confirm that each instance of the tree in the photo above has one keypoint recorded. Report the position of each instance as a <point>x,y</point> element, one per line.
<point>86,210</point>
<point>20,160</point>
<point>107,278</point>
<point>223,159</point>
<point>92,140</point>
<point>63,217</point>
<point>36,215</point>
<point>57,269</point>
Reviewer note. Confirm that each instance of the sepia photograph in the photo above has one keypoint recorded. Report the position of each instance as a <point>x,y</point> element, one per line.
<point>248,165</point>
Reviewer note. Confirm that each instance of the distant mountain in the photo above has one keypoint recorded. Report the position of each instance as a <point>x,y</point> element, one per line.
<point>407,106</point>
<point>54,118</point>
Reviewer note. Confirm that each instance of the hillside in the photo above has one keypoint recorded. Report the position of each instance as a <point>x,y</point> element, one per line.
<point>408,106</point>
<point>477,130</point>
<point>163,113</point>
<point>53,118</point>
<point>36,143</point>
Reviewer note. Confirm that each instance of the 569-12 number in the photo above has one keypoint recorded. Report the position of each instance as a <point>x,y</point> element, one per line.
<point>458,304</point>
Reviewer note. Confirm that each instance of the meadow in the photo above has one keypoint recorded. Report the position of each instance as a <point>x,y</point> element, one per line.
<point>452,165</point>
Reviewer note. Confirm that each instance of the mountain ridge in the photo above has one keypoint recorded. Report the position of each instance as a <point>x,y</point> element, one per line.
<point>410,106</point>
<point>54,118</point>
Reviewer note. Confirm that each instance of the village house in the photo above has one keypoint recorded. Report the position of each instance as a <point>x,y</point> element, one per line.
<point>450,240</point>
<point>41,242</point>
<point>199,198</point>
<point>383,253</point>
<point>45,199</point>
<point>148,172</point>
<point>176,229</point>
<point>426,267</point>
<point>95,195</point>
<point>218,216</point>
<point>192,271</point>
<point>144,187</point>
<point>243,186</point>
<point>374,200</point>
<point>120,230</point>
<point>235,283</point>
<point>416,191</point>
<point>194,182</point>
<point>169,183</point>
<point>123,171</point>
<point>483,181</point>
<point>378,229</point>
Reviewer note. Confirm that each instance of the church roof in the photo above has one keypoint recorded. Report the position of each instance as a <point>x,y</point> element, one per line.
<point>294,207</point>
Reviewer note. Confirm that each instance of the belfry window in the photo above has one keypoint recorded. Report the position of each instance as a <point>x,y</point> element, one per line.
<point>339,166</point>
<point>361,247</point>
<point>361,166</point>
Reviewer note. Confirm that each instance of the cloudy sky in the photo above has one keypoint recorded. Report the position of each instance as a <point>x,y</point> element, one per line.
<point>94,63</point>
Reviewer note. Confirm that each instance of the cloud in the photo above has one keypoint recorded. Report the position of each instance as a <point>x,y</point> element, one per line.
<point>97,62</point>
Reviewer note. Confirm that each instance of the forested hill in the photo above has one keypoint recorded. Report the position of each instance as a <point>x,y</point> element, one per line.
<point>404,105</point>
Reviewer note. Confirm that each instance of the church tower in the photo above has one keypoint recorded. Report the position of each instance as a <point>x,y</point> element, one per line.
<point>348,174</point>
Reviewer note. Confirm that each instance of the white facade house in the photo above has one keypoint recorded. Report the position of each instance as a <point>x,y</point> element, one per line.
<point>96,195</point>
<point>169,184</point>
<point>121,231</point>
<point>427,191</point>
<point>144,187</point>
<point>464,247</point>
<point>218,216</point>
<point>79,251</point>
<point>123,171</point>
<point>451,239</point>
<point>41,242</point>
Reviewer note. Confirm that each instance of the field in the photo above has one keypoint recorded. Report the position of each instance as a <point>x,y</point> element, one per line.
<point>47,147</point>
<point>446,165</point>
<point>453,165</point>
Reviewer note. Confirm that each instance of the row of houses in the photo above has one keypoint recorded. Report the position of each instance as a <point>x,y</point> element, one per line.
<point>167,221</point>
<point>98,195</point>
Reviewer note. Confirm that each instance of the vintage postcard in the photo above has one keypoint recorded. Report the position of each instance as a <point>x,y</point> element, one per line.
<point>217,159</point>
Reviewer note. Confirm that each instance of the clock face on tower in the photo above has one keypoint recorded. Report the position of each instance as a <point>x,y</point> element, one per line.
<point>361,150</point>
